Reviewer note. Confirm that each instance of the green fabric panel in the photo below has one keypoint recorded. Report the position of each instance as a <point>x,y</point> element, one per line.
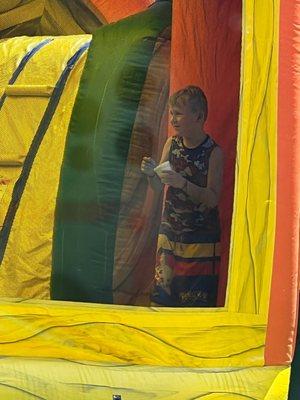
<point>96,153</point>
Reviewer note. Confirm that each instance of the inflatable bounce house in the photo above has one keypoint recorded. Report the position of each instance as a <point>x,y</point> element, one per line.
<point>84,88</point>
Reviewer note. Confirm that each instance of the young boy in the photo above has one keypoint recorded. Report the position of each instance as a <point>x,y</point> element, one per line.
<point>188,251</point>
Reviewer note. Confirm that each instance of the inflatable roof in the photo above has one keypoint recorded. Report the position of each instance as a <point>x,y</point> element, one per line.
<point>84,89</point>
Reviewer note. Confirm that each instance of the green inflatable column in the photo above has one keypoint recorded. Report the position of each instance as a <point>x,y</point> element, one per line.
<point>95,157</point>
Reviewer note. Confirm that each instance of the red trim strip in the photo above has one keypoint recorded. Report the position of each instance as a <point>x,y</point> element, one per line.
<point>281,332</point>
<point>114,10</point>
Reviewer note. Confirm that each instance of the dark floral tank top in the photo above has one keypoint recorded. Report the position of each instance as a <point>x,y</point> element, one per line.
<point>181,216</point>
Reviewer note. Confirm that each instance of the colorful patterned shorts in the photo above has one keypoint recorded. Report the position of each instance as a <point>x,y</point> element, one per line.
<point>186,274</point>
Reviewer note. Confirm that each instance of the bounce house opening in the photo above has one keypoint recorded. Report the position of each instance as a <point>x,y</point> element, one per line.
<point>80,219</point>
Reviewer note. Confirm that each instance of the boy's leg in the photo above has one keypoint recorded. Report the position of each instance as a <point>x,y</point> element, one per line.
<point>163,273</point>
<point>161,293</point>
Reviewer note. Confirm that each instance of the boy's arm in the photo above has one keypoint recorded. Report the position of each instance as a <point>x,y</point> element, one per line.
<point>166,151</point>
<point>154,181</point>
<point>210,194</point>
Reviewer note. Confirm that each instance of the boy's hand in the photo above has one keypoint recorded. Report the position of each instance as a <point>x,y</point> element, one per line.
<point>173,179</point>
<point>147,166</point>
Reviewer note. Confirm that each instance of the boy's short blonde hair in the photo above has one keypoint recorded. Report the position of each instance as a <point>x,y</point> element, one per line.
<point>192,95</point>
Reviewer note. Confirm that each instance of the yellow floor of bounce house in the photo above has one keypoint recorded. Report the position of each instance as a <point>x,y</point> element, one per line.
<point>25,378</point>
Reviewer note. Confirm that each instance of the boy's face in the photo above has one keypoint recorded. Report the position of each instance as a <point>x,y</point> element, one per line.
<point>183,119</point>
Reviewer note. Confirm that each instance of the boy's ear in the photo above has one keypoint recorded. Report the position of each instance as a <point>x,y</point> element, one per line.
<point>200,116</point>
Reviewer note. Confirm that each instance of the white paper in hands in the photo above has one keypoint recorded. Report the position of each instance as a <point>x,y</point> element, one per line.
<point>166,166</point>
